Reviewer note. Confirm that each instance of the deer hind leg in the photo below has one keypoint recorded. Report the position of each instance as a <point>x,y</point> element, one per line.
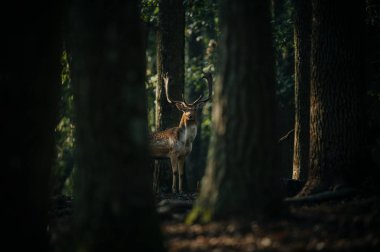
<point>181,169</point>
<point>174,162</point>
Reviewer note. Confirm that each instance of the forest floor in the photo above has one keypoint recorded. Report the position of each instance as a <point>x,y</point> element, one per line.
<point>342,225</point>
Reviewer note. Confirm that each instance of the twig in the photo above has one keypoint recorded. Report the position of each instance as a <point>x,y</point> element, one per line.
<point>286,136</point>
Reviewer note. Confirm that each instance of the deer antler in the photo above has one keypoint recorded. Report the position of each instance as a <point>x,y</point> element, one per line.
<point>208,77</point>
<point>166,79</point>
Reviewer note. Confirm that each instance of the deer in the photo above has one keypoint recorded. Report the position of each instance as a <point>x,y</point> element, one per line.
<point>176,143</point>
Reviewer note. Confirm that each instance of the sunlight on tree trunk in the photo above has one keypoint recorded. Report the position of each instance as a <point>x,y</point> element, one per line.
<point>302,44</point>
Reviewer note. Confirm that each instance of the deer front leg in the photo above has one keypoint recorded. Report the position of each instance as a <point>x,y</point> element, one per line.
<point>174,162</point>
<point>181,169</point>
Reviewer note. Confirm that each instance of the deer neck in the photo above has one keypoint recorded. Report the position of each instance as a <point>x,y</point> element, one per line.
<point>188,129</point>
<point>184,123</point>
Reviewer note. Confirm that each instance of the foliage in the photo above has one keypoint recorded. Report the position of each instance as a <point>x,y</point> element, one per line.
<point>202,28</point>
<point>284,53</point>
<point>201,36</point>
<point>202,17</point>
<point>150,86</point>
<point>64,132</point>
<point>149,11</point>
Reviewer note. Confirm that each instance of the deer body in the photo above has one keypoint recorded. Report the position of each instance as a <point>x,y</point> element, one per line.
<point>176,143</point>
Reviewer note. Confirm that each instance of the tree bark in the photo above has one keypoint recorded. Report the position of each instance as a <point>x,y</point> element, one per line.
<point>170,59</point>
<point>241,174</point>
<point>30,80</point>
<point>337,77</point>
<point>114,205</point>
<point>372,101</point>
<point>170,54</point>
<point>302,46</point>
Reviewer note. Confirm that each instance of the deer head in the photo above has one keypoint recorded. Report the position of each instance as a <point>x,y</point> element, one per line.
<point>189,109</point>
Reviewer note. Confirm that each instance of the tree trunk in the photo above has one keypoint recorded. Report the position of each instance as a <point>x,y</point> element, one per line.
<point>114,207</point>
<point>372,102</point>
<point>30,79</point>
<point>302,45</point>
<point>170,59</point>
<point>241,177</point>
<point>337,76</point>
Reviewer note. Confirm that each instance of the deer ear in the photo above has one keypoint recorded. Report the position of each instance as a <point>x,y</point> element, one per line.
<point>180,106</point>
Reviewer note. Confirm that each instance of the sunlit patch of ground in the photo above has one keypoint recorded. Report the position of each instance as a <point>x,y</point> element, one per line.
<point>225,236</point>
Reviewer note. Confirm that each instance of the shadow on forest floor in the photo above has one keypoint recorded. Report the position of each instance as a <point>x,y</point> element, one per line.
<point>344,225</point>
